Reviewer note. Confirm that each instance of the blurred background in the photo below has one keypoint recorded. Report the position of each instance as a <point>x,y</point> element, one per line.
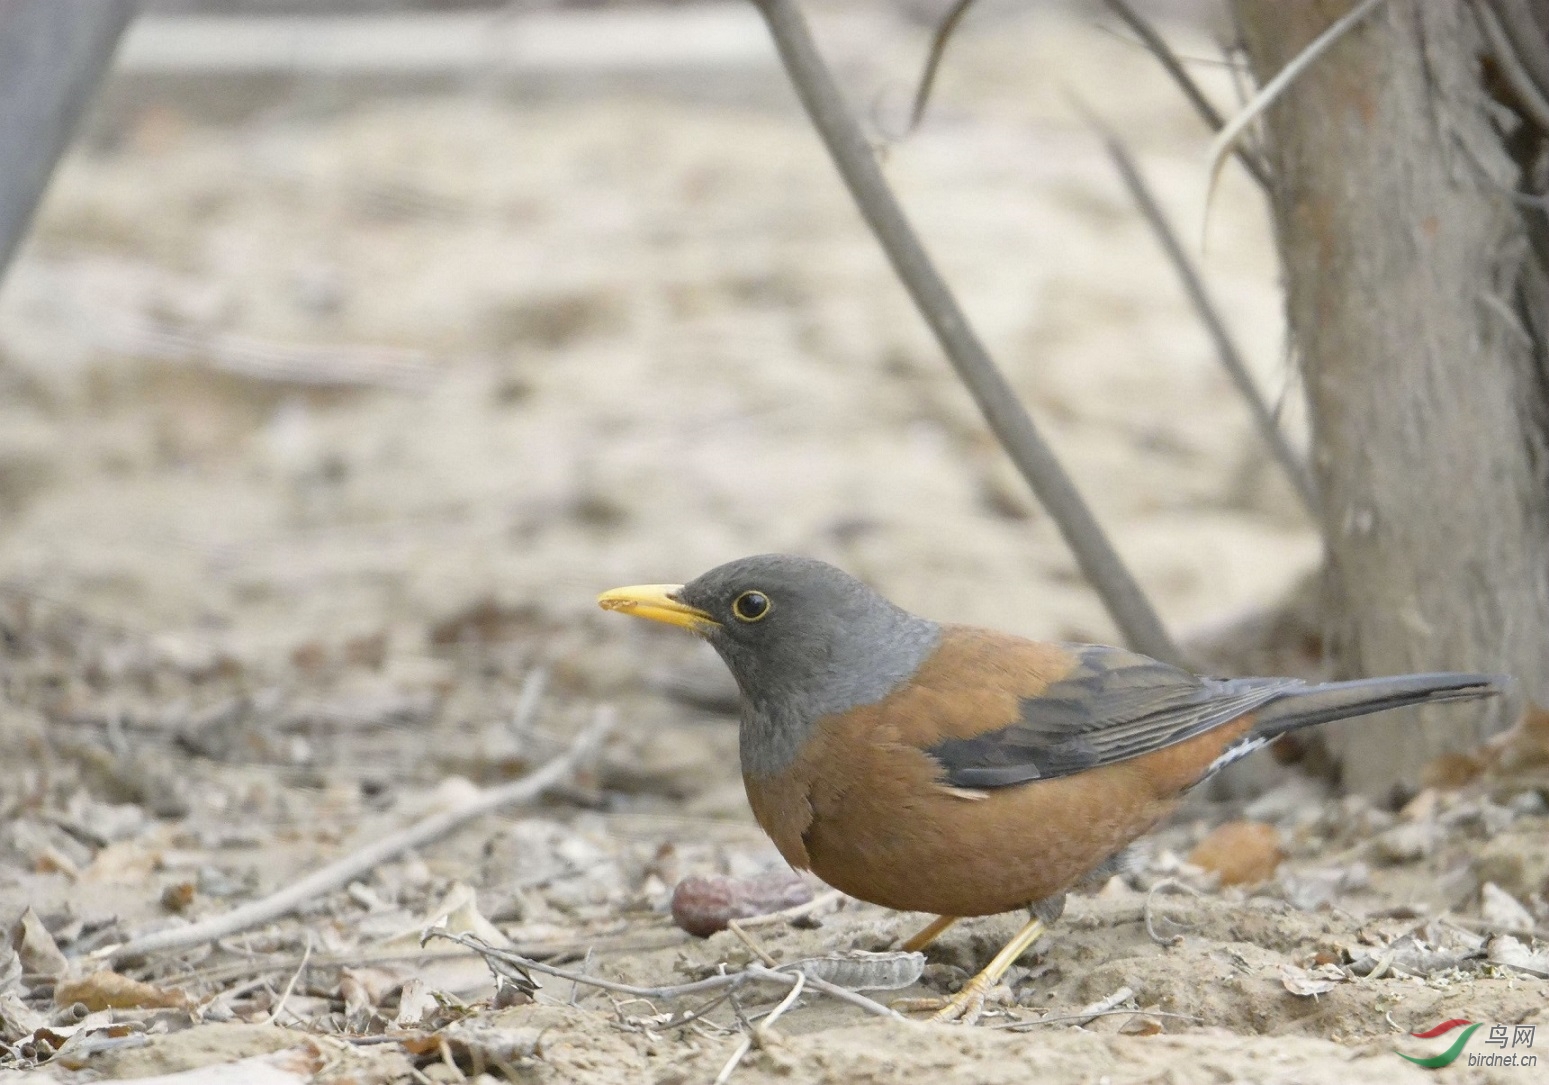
<point>341,318</point>
<point>357,345</point>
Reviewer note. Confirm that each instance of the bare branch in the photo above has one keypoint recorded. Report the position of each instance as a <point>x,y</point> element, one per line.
<point>1008,419</point>
<point>938,48</point>
<point>1526,25</point>
<point>1210,317</point>
<point>340,873</point>
<point>1173,66</point>
<point>1228,136</point>
<point>1529,96</point>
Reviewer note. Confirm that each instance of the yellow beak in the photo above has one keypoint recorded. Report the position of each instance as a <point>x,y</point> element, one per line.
<point>657,602</point>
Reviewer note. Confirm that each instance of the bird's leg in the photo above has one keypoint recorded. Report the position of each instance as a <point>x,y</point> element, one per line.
<point>968,1004</point>
<point>929,933</point>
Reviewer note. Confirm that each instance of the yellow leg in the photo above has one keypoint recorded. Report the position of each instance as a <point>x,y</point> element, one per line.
<point>929,934</point>
<point>968,1004</point>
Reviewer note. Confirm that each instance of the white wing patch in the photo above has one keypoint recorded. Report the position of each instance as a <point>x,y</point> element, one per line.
<point>1235,752</point>
<point>972,794</point>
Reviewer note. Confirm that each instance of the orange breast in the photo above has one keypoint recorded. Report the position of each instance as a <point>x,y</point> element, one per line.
<point>864,809</point>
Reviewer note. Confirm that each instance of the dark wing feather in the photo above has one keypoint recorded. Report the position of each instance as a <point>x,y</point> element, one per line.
<point>1113,706</point>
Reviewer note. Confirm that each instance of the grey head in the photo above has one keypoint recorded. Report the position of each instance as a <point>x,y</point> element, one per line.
<point>803,640</point>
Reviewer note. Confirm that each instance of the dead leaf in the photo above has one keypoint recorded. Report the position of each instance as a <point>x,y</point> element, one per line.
<point>17,1019</point>
<point>1500,908</point>
<point>1425,806</point>
<point>178,896</point>
<point>359,1005</point>
<point>1507,951</point>
<point>413,1003</point>
<point>370,985</point>
<point>1525,745</point>
<point>11,971</point>
<point>123,861</point>
<point>1406,843</point>
<point>1311,888</point>
<point>35,946</point>
<point>1450,771</point>
<point>491,1045</point>
<point>458,912</point>
<point>1410,954</point>
<point>483,622</point>
<point>1307,984</point>
<point>310,657</point>
<point>107,990</point>
<point>1241,852</point>
<point>367,651</point>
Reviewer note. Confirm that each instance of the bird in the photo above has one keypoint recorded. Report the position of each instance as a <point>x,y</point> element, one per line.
<point>960,771</point>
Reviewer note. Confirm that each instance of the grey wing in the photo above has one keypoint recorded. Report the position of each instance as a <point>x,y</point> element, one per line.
<point>1114,705</point>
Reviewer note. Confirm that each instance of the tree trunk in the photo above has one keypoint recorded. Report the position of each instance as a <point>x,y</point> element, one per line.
<point>1416,298</point>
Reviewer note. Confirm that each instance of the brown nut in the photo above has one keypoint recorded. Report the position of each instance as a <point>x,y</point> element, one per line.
<point>704,905</point>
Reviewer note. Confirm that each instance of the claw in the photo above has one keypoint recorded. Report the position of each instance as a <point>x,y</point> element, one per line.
<point>967,1006</point>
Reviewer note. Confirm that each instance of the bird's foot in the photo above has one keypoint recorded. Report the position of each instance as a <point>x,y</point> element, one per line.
<point>968,1004</point>
<point>965,1007</point>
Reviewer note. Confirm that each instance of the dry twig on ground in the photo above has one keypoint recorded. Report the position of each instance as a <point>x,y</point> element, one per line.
<point>500,960</point>
<point>338,874</point>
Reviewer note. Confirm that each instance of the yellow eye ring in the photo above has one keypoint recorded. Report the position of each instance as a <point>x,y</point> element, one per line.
<point>751,606</point>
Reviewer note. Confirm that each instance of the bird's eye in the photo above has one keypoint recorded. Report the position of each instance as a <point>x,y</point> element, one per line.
<point>750,606</point>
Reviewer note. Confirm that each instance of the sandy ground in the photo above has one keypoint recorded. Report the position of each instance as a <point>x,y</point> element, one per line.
<point>324,421</point>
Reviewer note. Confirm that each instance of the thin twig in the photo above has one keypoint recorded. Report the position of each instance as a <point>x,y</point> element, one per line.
<point>752,943</point>
<point>1228,136</point>
<point>528,698</point>
<point>279,1007</point>
<point>1205,308</point>
<point>1103,1005</point>
<point>1381,967</point>
<point>679,1020</point>
<point>723,981</point>
<point>338,874</point>
<point>1173,66</point>
<point>759,1033</point>
<point>817,903</point>
<point>1529,96</point>
<point>1083,1017</point>
<point>267,360</point>
<point>586,964</point>
<point>938,48</point>
<point>1165,883</point>
<point>1484,926</point>
<point>275,963</point>
<point>1007,418</point>
<point>744,1045</point>
<point>833,990</point>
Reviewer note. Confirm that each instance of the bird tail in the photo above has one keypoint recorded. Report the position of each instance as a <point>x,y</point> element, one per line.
<point>1313,705</point>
